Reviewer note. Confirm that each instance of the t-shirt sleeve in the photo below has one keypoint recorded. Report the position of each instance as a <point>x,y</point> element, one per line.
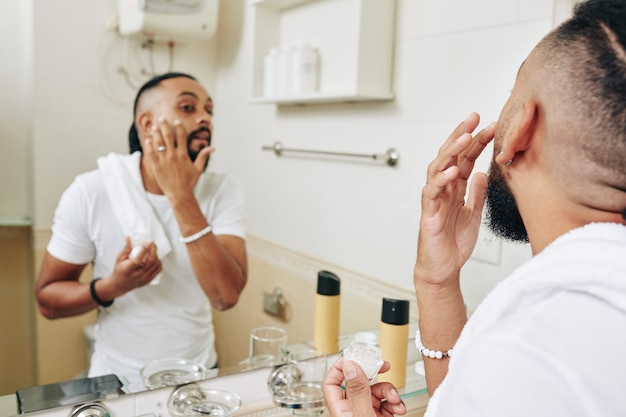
<point>229,215</point>
<point>70,241</point>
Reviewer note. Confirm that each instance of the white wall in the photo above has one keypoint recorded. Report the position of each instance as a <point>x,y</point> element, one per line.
<point>82,105</point>
<point>15,117</point>
<point>450,58</point>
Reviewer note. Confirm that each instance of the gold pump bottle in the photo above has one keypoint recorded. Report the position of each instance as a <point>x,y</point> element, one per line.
<point>394,340</point>
<point>326,320</point>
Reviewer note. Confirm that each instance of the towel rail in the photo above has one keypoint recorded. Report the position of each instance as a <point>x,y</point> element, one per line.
<point>390,157</point>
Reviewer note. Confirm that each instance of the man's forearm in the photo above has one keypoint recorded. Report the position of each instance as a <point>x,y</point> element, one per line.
<point>442,316</point>
<point>222,278</point>
<point>65,299</point>
<point>218,262</point>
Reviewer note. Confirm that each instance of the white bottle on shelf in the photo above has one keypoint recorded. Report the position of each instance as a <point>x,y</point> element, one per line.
<point>270,73</point>
<point>285,73</point>
<point>305,70</point>
<point>293,64</point>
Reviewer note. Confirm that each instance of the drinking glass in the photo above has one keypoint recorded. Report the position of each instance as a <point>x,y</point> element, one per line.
<point>267,346</point>
<point>311,366</point>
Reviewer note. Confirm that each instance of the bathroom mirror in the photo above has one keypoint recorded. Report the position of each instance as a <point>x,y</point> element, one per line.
<point>73,106</point>
<point>59,105</point>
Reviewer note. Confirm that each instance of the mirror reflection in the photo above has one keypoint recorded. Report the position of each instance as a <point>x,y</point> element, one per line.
<point>165,238</point>
<point>68,100</point>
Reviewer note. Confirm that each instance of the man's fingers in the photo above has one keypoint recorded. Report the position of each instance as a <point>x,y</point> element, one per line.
<point>438,182</point>
<point>470,155</point>
<point>358,389</point>
<point>448,155</point>
<point>477,193</point>
<point>166,133</point>
<point>393,404</point>
<point>333,391</point>
<point>334,377</point>
<point>455,161</point>
<point>180,137</point>
<point>125,251</point>
<point>466,126</point>
<point>203,157</point>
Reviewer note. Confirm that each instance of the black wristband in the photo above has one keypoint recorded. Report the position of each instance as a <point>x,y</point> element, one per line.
<point>92,290</point>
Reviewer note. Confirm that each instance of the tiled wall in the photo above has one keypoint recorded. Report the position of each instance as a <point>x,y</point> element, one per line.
<point>61,352</point>
<point>17,364</point>
<point>33,350</point>
<point>272,266</point>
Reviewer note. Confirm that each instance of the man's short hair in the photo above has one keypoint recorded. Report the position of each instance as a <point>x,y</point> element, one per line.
<point>583,64</point>
<point>133,137</point>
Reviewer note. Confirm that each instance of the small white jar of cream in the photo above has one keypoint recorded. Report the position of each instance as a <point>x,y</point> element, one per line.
<point>368,356</point>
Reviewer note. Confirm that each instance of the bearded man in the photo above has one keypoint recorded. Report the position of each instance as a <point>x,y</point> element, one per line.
<point>165,237</point>
<point>547,341</point>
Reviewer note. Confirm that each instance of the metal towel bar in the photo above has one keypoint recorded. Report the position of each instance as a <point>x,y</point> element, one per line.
<point>390,157</point>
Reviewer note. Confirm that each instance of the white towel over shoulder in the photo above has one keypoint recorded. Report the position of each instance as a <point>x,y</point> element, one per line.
<point>125,187</point>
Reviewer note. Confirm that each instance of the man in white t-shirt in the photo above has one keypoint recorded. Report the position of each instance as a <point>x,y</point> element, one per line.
<point>547,341</point>
<point>155,299</point>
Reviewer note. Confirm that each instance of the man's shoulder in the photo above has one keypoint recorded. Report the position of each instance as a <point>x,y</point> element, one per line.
<point>219,191</point>
<point>96,175</point>
<point>92,182</point>
<point>216,176</point>
<point>83,179</point>
<point>215,181</point>
<point>92,179</point>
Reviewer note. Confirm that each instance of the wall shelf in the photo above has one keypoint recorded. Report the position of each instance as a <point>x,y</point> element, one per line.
<point>354,39</point>
<point>339,97</point>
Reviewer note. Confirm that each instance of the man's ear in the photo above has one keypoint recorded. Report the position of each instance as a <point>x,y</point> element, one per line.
<point>145,121</point>
<point>520,134</point>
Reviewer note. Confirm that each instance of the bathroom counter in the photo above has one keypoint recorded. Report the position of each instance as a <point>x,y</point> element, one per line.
<point>7,405</point>
<point>416,406</point>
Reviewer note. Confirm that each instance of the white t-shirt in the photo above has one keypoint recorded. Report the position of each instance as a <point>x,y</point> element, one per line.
<point>549,340</point>
<point>169,320</point>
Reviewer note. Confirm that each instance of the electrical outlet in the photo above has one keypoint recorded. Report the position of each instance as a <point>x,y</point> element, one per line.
<point>488,248</point>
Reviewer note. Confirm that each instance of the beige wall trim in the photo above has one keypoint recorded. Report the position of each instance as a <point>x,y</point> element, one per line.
<point>41,237</point>
<point>367,288</point>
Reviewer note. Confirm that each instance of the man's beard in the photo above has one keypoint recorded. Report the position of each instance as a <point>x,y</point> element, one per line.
<point>193,154</point>
<point>503,217</point>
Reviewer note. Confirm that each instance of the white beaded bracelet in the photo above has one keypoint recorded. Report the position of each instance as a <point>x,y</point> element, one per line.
<point>196,236</point>
<point>434,354</point>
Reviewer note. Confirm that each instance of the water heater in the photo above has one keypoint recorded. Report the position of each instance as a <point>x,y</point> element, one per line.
<point>168,20</point>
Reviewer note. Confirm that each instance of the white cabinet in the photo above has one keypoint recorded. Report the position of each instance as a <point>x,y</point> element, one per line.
<point>354,41</point>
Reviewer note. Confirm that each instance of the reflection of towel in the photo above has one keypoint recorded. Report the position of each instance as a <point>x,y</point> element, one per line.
<point>134,212</point>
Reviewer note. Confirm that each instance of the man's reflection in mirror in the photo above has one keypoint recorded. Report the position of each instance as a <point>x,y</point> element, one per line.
<point>165,236</point>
